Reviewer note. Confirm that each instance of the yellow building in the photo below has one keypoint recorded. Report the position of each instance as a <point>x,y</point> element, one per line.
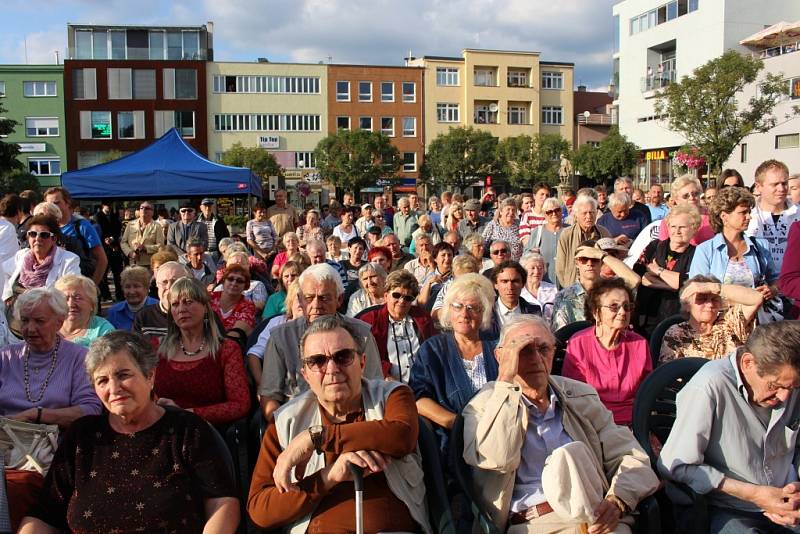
<point>506,93</point>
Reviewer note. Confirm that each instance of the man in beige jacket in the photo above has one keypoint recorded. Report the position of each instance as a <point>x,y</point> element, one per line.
<point>142,237</point>
<point>546,454</point>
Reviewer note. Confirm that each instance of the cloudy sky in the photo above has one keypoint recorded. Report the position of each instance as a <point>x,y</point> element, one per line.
<point>346,31</point>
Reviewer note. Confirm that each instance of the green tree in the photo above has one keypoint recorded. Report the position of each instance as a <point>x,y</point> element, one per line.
<point>615,156</point>
<point>351,160</point>
<point>527,160</point>
<point>704,108</point>
<point>462,156</point>
<point>262,163</point>
<point>16,181</point>
<point>8,151</point>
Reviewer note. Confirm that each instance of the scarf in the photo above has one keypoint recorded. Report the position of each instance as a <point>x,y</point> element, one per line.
<point>35,274</point>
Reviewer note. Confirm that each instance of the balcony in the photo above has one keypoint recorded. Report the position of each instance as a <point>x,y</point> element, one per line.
<point>132,53</point>
<point>595,119</point>
<point>777,50</point>
<point>657,81</point>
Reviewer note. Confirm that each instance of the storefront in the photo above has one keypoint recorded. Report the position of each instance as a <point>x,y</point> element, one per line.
<point>304,186</point>
<point>655,167</point>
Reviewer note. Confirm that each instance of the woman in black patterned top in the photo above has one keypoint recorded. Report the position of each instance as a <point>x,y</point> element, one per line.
<point>140,467</point>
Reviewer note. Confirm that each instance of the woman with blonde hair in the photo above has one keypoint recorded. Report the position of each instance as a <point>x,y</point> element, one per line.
<point>82,325</point>
<point>135,282</point>
<point>455,213</point>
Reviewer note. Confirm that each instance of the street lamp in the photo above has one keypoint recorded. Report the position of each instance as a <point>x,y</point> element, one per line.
<point>586,115</point>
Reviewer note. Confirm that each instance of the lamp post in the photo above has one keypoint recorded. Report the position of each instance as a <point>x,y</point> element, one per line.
<point>586,114</point>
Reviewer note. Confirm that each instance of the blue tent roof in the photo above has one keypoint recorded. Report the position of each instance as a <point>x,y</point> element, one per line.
<point>167,168</point>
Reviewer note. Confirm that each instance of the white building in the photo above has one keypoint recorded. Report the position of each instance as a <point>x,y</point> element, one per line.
<point>657,42</point>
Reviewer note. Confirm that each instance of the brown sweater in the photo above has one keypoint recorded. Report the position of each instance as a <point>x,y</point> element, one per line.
<point>334,511</point>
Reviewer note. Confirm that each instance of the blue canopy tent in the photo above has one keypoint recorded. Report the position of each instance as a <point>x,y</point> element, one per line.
<point>168,168</point>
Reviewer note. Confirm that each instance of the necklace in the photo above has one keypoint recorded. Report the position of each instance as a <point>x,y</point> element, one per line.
<point>26,372</point>
<point>196,352</point>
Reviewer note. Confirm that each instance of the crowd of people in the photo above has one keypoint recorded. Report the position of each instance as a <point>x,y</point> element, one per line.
<point>137,338</point>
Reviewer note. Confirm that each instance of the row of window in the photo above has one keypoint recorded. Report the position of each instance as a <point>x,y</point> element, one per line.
<point>662,14</point>
<point>266,84</point>
<point>265,122</point>
<point>136,84</point>
<point>34,89</point>
<point>408,91</point>
<point>450,112</point>
<point>131,124</point>
<point>486,77</point>
<point>387,125</point>
<point>137,44</point>
<point>44,166</point>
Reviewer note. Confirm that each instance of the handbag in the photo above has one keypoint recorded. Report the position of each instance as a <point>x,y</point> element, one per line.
<point>778,307</point>
<point>27,446</point>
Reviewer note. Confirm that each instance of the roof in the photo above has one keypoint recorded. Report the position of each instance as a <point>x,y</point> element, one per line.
<point>556,63</point>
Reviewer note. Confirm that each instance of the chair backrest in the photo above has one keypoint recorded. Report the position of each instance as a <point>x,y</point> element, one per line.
<point>655,408</point>
<point>439,513</point>
<point>367,310</point>
<point>463,476</point>
<point>657,337</point>
<point>562,336</point>
<point>432,297</point>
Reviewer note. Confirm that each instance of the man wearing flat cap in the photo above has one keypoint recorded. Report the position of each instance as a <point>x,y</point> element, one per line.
<point>472,223</point>
<point>185,230</point>
<point>217,229</point>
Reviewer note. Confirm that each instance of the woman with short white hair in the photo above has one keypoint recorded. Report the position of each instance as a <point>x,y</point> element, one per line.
<point>372,278</point>
<point>536,290</point>
<point>687,189</point>
<point>82,324</point>
<point>505,228</point>
<point>544,238</point>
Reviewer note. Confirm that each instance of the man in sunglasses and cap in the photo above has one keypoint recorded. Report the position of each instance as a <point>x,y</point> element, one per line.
<point>301,477</point>
<point>187,229</point>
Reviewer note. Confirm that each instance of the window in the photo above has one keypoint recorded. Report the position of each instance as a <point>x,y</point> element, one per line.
<point>84,86</point>
<point>387,91</point>
<point>2,88</point>
<point>552,80</point>
<point>157,44</point>
<point>794,88</point>
<point>130,125</point>
<point>342,123</point>
<point>191,45</point>
<point>83,44</point>
<point>484,78</point>
<point>387,126</point>
<point>96,125</point>
<point>446,76</point>
<point>99,44</point>
<point>365,123</point>
<point>409,92</point>
<point>447,112</point>
<point>266,84</point>
<point>304,160</point>
<point>184,122</point>
<point>409,161</point>
<point>41,127</point>
<point>484,115</point>
<point>517,115</point>
<point>517,78</point>
<point>144,84</point>
<point>743,153</point>
<point>174,45</point>
<point>118,44</point>
<point>343,91</point>
<point>552,115</point>
<point>365,91</point>
<point>660,15</point>
<point>180,84</point>
<point>787,141</point>
<point>45,167</point>
<point>409,126</point>
<point>119,84</point>
<point>245,122</point>
<point>38,88</point>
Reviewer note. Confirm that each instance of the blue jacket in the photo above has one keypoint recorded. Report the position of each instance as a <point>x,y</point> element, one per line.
<point>121,316</point>
<point>438,374</point>
<point>711,258</point>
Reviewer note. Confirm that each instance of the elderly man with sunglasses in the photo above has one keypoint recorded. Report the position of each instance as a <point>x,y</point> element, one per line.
<point>187,229</point>
<point>142,237</point>
<point>321,293</point>
<point>546,455</point>
<point>301,477</point>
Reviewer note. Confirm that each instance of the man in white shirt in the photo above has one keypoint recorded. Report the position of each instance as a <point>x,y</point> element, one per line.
<point>773,214</point>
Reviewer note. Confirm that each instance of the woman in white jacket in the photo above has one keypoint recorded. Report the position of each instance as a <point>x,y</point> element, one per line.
<point>41,264</point>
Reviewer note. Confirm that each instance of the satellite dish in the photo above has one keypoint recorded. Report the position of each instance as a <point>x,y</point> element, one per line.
<point>493,107</point>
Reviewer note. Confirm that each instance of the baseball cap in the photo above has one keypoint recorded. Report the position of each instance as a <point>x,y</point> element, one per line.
<point>366,206</point>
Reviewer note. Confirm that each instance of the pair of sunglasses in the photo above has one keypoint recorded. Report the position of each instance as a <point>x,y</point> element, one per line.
<point>407,298</point>
<point>319,362</point>
<point>33,234</point>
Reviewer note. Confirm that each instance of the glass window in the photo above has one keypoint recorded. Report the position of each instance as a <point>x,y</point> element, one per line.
<point>517,78</point>
<point>41,127</point>
<point>409,92</point>
<point>365,123</point>
<point>101,125</point>
<point>484,78</point>
<point>39,88</point>
<point>387,126</point>
<point>743,155</point>
<point>144,84</point>
<point>191,45</point>
<point>83,44</point>
<point>683,7</point>
<point>616,33</point>
<point>186,84</point>
<point>447,112</point>
<point>342,91</point>
<point>552,115</point>
<point>387,91</point>
<point>409,161</point>
<point>552,80</point>
<point>787,141</point>
<point>409,126</point>
<point>2,88</point>
<point>484,115</point>
<point>304,160</point>
<point>692,5</point>
<point>174,45</point>
<point>184,122</point>
<point>447,76</point>
<point>100,44</point>
<point>44,167</point>
<point>365,91</point>
<point>517,115</point>
<point>117,44</point>
<point>342,123</point>
<point>156,45</point>
<point>794,88</point>
<point>125,126</point>
<point>672,10</point>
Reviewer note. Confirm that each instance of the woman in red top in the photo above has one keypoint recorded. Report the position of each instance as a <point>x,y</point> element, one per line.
<point>234,310</point>
<point>198,369</point>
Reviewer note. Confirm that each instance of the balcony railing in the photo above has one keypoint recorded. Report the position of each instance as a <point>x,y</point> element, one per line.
<point>133,53</point>
<point>658,81</point>
<point>595,119</point>
<point>778,50</point>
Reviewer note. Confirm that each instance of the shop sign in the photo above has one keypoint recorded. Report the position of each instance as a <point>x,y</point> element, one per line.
<point>655,155</point>
<point>32,147</point>
<point>269,141</point>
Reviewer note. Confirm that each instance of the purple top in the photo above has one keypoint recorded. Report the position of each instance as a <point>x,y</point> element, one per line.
<point>69,385</point>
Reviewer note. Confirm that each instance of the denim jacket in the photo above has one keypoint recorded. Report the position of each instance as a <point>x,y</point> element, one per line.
<point>711,258</point>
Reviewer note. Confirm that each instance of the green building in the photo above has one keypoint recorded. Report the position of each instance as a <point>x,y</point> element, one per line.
<point>33,95</point>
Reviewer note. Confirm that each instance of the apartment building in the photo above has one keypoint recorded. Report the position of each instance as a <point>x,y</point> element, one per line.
<point>33,96</point>
<point>506,93</point>
<point>382,99</point>
<point>658,42</point>
<point>592,116</point>
<point>125,86</point>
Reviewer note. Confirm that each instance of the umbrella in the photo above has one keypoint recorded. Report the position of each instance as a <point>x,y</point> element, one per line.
<point>781,33</point>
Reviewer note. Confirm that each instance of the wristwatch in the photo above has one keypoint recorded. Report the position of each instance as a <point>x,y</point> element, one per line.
<point>317,433</point>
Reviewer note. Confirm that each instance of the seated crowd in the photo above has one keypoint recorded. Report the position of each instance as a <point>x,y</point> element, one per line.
<point>334,335</point>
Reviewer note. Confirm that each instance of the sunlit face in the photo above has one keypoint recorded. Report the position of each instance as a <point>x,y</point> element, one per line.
<point>356,252</point>
<point>444,261</point>
<point>206,209</point>
<point>405,207</point>
<point>624,187</point>
<point>58,199</point>
<point>145,211</point>
<point>187,312</point>
<point>771,390</point>
<point>80,307</point>
<point>472,215</point>
<point>681,229</point>
<point>709,195</point>
<point>261,214</point>
<point>187,215</point>
<point>235,284</point>
<point>312,218</point>
<point>288,275</point>
<point>424,247</point>
<point>602,197</point>
<point>535,270</point>
<point>499,252</point>
<point>536,358</point>
<point>507,214</point>
<point>705,307</point>
<point>794,190</point>
<point>292,244</point>
<point>774,187</point>
<point>463,320</point>
<point>134,292</point>
<point>392,243</point>
<point>436,205</point>
<point>347,218</point>
<point>195,257</point>
<point>413,200</point>
<point>383,261</point>
<point>620,212</point>
<point>319,298</point>
<point>165,278</point>
<point>738,219</point>
<point>121,386</point>
<point>453,239</point>
<point>656,195</point>
<point>689,194</point>
<point>41,245</point>
<point>540,196</point>
<point>585,216</point>
<point>333,383</point>
<point>527,203</point>
<point>317,254</point>
<point>40,326</point>
<point>588,269</point>
<point>380,203</point>
<point>372,282</point>
<point>615,310</point>
<point>399,301</point>
<point>280,198</point>
<point>637,196</point>
<point>509,286</point>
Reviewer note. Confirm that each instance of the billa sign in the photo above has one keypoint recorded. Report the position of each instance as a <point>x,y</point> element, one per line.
<point>655,155</point>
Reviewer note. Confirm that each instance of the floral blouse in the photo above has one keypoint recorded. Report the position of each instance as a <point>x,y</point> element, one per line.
<point>730,331</point>
<point>494,231</point>
<point>244,310</point>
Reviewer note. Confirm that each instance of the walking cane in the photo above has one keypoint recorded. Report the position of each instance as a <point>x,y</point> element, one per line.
<point>358,482</point>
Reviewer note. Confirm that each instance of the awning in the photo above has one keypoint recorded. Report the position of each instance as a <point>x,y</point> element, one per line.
<point>778,34</point>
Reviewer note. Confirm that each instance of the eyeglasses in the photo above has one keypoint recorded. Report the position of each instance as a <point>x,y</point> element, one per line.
<point>556,211</point>
<point>319,362</point>
<point>615,308</point>
<point>407,298</point>
<point>33,234</point>
<point>693,194</point>
<point>187,210</point>
<point>235,280</point>
<point>499,252</point>
<point>583,260</point>
<point>470,309</point>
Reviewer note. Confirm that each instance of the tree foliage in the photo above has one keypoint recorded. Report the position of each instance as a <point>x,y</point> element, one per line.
<point>614,157</point>
<point>462,156</point>
<point>262,163</point>
<point>527,160</point>
<point>351,160</point>
<point>8,151</point>
<point>16,181</point>
<point>704,109</point>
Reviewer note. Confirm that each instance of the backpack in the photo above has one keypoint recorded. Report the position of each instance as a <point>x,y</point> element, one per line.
<point>77,245</point>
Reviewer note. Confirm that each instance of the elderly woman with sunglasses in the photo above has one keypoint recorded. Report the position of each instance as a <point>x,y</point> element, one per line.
<point>687,189</point>
<point>544,238</point>
<point>451,367</point>
<point>721,318</point>
<point>230,304</point>
<point>505,228</point>
<point>609,356</point>
<point>399,327</point>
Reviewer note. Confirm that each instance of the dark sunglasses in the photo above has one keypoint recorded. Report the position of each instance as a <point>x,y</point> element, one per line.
<point>235,280</point>
<point>187,210</point>
<point>319,362</point>
<point>553,211</point>
<point>499,251</point>
<point>407,298</point>
<point>33,234</point>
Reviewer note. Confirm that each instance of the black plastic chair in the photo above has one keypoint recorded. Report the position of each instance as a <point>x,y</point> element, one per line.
<point>432,297</point>
<point>439,513</point>
<point>367,310</point>
<point>654,413</point>
<point>562,336</point>
<point>657,337</point>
